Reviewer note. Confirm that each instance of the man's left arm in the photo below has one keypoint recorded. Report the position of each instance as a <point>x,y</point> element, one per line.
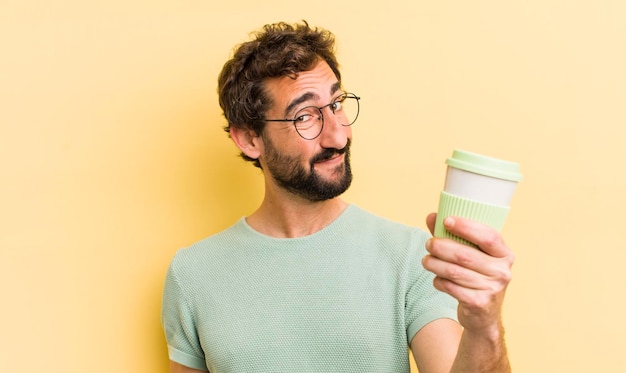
<point>478,280</point>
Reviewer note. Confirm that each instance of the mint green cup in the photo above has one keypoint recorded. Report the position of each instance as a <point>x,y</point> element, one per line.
<point>478,188</point>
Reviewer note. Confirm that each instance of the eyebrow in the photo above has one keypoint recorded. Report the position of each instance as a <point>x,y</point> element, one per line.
<point>309,96</point>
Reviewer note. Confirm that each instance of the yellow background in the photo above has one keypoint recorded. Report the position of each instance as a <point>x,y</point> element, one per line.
<point>112,157</point>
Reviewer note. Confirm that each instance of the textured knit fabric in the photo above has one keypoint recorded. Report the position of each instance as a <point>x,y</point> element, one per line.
<point>348,298</point>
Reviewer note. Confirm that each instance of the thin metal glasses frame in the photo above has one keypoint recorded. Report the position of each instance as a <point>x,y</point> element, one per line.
<point>303,118</point>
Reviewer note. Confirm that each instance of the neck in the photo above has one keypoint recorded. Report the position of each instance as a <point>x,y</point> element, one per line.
<point>285,215</point>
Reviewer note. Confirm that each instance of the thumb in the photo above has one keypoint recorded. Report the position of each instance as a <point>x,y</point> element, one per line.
<point>430,222</point>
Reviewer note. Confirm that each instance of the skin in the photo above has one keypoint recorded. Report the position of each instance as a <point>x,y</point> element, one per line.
<point>476,278</point>
<point>177,368</point>
<point>281,212</point>
<point>290,174</point>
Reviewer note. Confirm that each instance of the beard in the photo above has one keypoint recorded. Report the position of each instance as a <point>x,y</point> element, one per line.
<point>291,175</point>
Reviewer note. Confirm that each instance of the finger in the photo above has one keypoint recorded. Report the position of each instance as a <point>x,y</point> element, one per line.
<point>430,222</point>
<point>457,261</point>
<point>463,256</point>
<point>476,301</point>
<point>488,239</point>
<point>470,288</point>
<point>455,274</point>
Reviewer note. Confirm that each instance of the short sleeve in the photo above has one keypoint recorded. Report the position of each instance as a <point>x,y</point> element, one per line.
<point>179,325</point>
<point>424,303</point>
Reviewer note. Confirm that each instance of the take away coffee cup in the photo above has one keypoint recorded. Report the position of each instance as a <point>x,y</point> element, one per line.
<point>477,187</point>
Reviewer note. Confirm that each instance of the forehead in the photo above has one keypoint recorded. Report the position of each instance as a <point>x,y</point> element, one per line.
<point>317,84</point>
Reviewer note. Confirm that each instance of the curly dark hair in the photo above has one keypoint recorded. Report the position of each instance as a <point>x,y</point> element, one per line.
<point>277,50</point>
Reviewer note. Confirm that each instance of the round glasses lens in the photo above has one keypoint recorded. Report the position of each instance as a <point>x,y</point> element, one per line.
<point>347,110</point>
<point>309,122</point>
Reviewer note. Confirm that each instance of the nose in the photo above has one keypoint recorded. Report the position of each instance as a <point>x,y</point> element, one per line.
<point>334,135</point>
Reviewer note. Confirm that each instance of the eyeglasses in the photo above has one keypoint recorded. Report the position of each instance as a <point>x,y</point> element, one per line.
<point>309,121</point>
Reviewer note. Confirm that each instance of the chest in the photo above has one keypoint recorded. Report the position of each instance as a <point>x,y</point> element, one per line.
<point>302,315</point>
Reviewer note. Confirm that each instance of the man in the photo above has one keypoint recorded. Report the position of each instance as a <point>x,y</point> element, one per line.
<point>308,282</point>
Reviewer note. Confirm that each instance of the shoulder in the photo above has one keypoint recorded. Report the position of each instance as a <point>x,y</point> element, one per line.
<point>383,232</point>
<point>370,222</point>
<point>208,252</point>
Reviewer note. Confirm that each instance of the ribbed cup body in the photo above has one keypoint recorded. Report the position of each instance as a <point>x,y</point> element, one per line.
<point>449,204</point>
<point>478,188</point>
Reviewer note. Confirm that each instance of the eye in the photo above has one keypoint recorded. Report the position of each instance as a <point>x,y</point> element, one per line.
<point>306,117</point>
<point>305,122</point>
<point>338,104</point>
<point>303,119</point>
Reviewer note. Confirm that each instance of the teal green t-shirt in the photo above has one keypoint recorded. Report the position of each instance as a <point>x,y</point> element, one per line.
<point>348,298</point>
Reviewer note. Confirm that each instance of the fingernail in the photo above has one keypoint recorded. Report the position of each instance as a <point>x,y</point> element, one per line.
<point>429,244</point>
<point>449,222</point>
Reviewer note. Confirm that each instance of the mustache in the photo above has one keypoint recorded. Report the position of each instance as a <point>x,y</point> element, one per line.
<point>328,153</point>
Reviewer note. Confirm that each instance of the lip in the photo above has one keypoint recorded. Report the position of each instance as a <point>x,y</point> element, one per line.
<point>337,159</point>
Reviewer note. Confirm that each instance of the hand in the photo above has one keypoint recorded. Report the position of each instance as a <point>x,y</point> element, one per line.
<point>476,278</point>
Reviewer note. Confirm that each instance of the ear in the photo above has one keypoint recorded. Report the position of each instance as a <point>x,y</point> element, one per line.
<point>247,141</point>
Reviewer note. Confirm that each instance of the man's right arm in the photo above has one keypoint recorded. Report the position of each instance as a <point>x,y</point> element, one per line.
<point>178,368</point>
<point>478,280</point>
